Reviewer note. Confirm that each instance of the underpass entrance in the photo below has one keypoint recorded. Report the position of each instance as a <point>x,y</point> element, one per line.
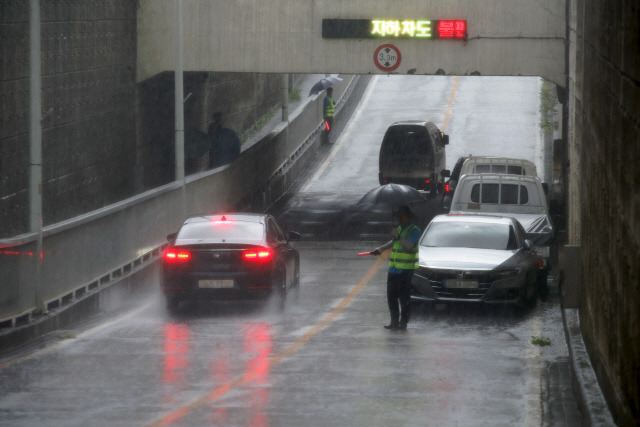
<point>326,202</point>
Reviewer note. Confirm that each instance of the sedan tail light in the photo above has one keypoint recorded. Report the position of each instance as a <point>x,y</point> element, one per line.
<point>176,255</point>
<point>258,254</point>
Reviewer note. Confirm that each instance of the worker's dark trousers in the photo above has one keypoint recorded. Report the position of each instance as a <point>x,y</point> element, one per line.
<point>399,297</point>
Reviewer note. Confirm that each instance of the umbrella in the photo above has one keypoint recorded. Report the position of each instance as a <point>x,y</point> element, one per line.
<point>391,194</point>
<point>323,84</point>
<point>371,214</point>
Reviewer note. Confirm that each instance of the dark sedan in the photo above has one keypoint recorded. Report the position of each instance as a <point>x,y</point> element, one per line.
<point>476,258</point>
<point>230,256</point>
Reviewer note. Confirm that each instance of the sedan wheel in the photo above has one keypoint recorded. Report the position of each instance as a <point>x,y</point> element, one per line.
<point>280,283</point>
<point>528,297</point>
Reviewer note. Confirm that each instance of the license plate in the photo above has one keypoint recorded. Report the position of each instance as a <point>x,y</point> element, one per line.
<point>216,284</point>
<point>461,284</point>
<point>543,251</point>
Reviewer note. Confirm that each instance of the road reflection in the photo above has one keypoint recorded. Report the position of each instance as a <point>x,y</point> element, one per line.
<point>176,359</point>
<point>221,374</point>
<point>258,344</point>
<point>253,358</point>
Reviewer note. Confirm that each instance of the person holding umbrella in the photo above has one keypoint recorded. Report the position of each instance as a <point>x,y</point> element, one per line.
<point>402,263</point>
<point>328,111</point>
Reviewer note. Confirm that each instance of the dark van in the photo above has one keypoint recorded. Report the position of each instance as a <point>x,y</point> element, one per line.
<point>413,153</point>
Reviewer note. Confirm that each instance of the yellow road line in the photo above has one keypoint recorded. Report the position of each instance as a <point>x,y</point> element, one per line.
<point>273,361</point>
<point>302,340</point>
<point>450,105</point>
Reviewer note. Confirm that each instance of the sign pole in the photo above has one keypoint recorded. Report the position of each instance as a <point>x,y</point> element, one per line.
<point>35,142</point>
<point>179,104</point>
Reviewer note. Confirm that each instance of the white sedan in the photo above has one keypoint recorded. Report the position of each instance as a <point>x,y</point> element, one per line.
<point>476,258</point>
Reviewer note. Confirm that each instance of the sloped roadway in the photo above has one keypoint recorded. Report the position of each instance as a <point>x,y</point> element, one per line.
<point>323,360</point>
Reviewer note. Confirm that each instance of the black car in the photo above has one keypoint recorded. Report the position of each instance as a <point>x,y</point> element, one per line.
<point>230,256</point>
<point>413,153</point>
<point>450,184</point>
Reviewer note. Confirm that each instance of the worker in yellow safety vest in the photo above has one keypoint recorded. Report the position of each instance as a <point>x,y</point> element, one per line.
<point>328,111</point>
<point>402,263</point>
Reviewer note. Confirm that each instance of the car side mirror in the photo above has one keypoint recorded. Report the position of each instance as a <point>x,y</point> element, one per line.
<point>172,237</point>
<point>293,235</point>
<point>445,139</point>
<point>528,245</point>
<point>445,173</point>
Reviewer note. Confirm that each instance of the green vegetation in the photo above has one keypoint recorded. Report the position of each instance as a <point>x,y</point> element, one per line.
<point>66,335</point>
<point>294,95</point>
<point>259,124</point>
<point>548,102</point>
<point>540,341</point>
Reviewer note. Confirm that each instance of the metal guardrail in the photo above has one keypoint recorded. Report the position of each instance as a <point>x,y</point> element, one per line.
<point>79,254</point>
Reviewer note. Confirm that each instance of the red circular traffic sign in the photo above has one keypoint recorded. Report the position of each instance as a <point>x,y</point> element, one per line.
<point>387,57</point>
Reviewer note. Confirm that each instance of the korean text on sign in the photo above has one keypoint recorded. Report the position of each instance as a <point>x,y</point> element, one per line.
<point>401,28</point>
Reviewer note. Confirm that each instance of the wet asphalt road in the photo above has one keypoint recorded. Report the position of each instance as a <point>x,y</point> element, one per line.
<point>323,360</point>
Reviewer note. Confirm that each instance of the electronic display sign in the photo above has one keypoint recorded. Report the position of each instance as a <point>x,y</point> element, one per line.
<point>425,29</point>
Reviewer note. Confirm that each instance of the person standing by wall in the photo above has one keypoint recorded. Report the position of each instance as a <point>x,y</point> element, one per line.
<point>328,111</point>
<point>402,263</point>
<point>225,143</point>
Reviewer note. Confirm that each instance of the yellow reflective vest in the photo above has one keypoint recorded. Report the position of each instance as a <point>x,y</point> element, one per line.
<point>329,108</point>
<point>404,259</point>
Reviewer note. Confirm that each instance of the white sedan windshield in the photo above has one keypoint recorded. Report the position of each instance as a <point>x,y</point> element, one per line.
<point>469,235</point>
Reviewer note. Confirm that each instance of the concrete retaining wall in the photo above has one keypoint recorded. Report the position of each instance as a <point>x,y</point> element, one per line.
<point>88,60</point>
<point>92,251</point>
<point>604,203</point>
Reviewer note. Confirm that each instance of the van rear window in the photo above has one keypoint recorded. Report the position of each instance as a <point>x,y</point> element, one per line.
<point>508,194</point>
<point>513,170</point>
<point>499,169</point>
<point>406,141</point>
<point>489,193</point>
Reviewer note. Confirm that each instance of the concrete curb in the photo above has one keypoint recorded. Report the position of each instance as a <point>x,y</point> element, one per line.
<point>591,401</point>
<point>89,305</point>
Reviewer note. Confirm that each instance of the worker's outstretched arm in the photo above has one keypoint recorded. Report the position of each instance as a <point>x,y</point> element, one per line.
<point>380,249</point>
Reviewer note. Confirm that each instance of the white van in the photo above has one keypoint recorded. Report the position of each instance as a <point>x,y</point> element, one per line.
<point>485,164</point>
<point>517,196</point>
<point>498,165</point>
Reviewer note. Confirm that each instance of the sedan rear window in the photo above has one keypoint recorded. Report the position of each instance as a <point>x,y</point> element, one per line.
<point>468,235</point>
<point>232,230</point>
